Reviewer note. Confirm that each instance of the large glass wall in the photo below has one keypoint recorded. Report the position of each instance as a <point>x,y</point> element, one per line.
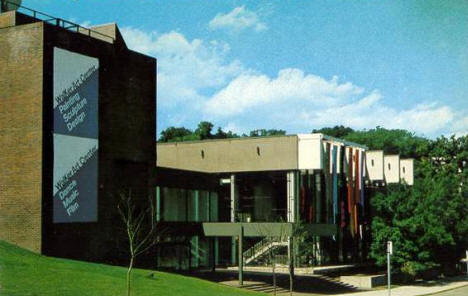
<point>262,196</point>
<point>184,205</point>
<point>187,251</point>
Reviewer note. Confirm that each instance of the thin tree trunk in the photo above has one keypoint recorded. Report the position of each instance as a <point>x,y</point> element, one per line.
<point>290,283</point>
<point>274,277</point>
<point>129,271</point>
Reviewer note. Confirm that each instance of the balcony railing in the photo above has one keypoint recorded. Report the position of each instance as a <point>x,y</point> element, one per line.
<point>70,26</point>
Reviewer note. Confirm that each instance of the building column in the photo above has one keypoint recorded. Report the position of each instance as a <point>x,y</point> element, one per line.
<point>318,197</point>
<point>158,203</point>
<point>241,257</point>
<point>318,214</point>
<point>234,208</point>
<point>291,197</point>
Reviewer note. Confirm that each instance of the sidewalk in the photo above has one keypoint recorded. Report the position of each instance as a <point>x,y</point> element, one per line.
<point>419,289</point>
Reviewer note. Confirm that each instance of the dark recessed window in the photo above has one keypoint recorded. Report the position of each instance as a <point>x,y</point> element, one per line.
<point>389,166</point>
<point>258,151</point>
<point>372,162</point>
<point>403,169</point>
<point>202,154</point>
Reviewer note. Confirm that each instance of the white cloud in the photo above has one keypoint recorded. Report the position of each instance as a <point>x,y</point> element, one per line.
<point>248,91</point>
<point>299,102</point>
<point>238,19</point>
<point>185,68</point>
<point>196,81</point>
<point>460,126</point>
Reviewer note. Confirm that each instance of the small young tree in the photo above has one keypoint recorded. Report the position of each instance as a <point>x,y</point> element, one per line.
<point>141,228</point>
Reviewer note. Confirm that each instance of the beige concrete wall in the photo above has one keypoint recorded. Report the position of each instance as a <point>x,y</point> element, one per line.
<point>392,168</point>
<point>21,77</point>
<point>375,165</point>
<point>231,155</point>
<point>407,170</point>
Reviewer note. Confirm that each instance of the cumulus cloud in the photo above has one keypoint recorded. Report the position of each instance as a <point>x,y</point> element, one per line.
<point>185,67</point>
<point>238,19</point>
<point>248,91</point>
<point>197,81</point>
<point>460,126</point>
<point>300,102</point>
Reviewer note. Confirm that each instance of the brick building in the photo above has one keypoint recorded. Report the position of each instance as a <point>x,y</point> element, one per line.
<point>78,122</point>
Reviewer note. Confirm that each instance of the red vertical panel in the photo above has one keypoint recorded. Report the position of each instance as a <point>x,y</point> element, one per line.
<point>357,194</point>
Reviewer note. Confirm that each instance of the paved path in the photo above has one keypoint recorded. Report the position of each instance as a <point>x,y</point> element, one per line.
<point>316,285</point>
<point>424,289</point>
<point>456,292</point>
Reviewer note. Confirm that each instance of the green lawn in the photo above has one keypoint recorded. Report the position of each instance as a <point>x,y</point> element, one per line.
<point>24,273</point>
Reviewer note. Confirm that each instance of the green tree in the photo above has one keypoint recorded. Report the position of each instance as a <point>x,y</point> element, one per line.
<point>173,134</point>
<point>338,131</point>
<point>391,141</point>
<point>202,132</point>
<point>426,222</point>
<point>204,129</point>
<point>267,133</point>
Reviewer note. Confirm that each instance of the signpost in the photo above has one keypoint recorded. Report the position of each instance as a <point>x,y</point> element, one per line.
<point>389,253</point>
<point>466,261</point>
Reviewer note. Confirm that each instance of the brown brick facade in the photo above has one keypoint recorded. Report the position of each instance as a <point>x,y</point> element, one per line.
<point>127,138</point>
<point>21,87</point>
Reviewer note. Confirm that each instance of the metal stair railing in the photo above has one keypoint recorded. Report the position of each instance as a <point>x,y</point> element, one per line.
<point>260,248</point>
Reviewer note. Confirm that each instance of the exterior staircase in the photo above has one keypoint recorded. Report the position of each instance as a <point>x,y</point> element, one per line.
<point>262,248</point>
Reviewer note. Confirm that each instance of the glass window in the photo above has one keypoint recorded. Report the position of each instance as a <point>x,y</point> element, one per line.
<point>192,202</point>
<point>213,206</point>
<point>204,205</point>
<point>175,204</point>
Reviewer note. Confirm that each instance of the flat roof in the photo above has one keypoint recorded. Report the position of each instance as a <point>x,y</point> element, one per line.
<point>323,136</point>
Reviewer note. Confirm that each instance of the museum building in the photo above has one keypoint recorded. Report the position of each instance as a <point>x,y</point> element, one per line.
<point>78,126</point>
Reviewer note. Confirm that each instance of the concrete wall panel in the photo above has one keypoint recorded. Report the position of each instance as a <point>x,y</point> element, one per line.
<point>230,155</point>
<point>392,168</point>
<point>309,152</point>
<point>407,170</point>
<point>375,165</point>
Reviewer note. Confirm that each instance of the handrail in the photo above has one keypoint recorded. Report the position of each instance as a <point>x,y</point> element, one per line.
<point>266,242</point>
<point>67,25</point>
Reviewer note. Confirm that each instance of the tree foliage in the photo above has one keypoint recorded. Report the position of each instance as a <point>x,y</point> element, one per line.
<point>204,131</point>
<point>391,141</point>
<point>338,131</point>
<point>427,222</point>
<point>267,133</point>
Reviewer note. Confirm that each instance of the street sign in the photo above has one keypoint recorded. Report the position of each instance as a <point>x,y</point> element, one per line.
<point>390,247</point>
<point>224,181</point>
<point>389,272</point>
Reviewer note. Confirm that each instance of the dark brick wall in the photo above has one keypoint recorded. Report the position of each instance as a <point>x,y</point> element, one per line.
<point>127,130</point>
<point>21,138</point>
<point>127,139</point>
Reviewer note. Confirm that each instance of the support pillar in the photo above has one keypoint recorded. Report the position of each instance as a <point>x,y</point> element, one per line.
<point>241,257</point>
<point>291,255</point>
<point>291,197</point>
<point>234,206</point>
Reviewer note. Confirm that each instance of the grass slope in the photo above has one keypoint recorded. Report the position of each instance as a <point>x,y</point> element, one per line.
<point>25,273</point>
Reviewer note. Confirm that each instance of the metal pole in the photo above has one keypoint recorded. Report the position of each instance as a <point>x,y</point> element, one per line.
<point>241,257</point>
<point>388,272</point>
<point>466,263</point>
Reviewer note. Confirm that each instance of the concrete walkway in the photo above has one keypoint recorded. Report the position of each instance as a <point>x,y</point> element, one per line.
<point>419,289</point>
<point>318,285</point>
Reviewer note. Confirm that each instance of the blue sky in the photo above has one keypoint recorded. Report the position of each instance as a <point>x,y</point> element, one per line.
<point>297,65</point>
